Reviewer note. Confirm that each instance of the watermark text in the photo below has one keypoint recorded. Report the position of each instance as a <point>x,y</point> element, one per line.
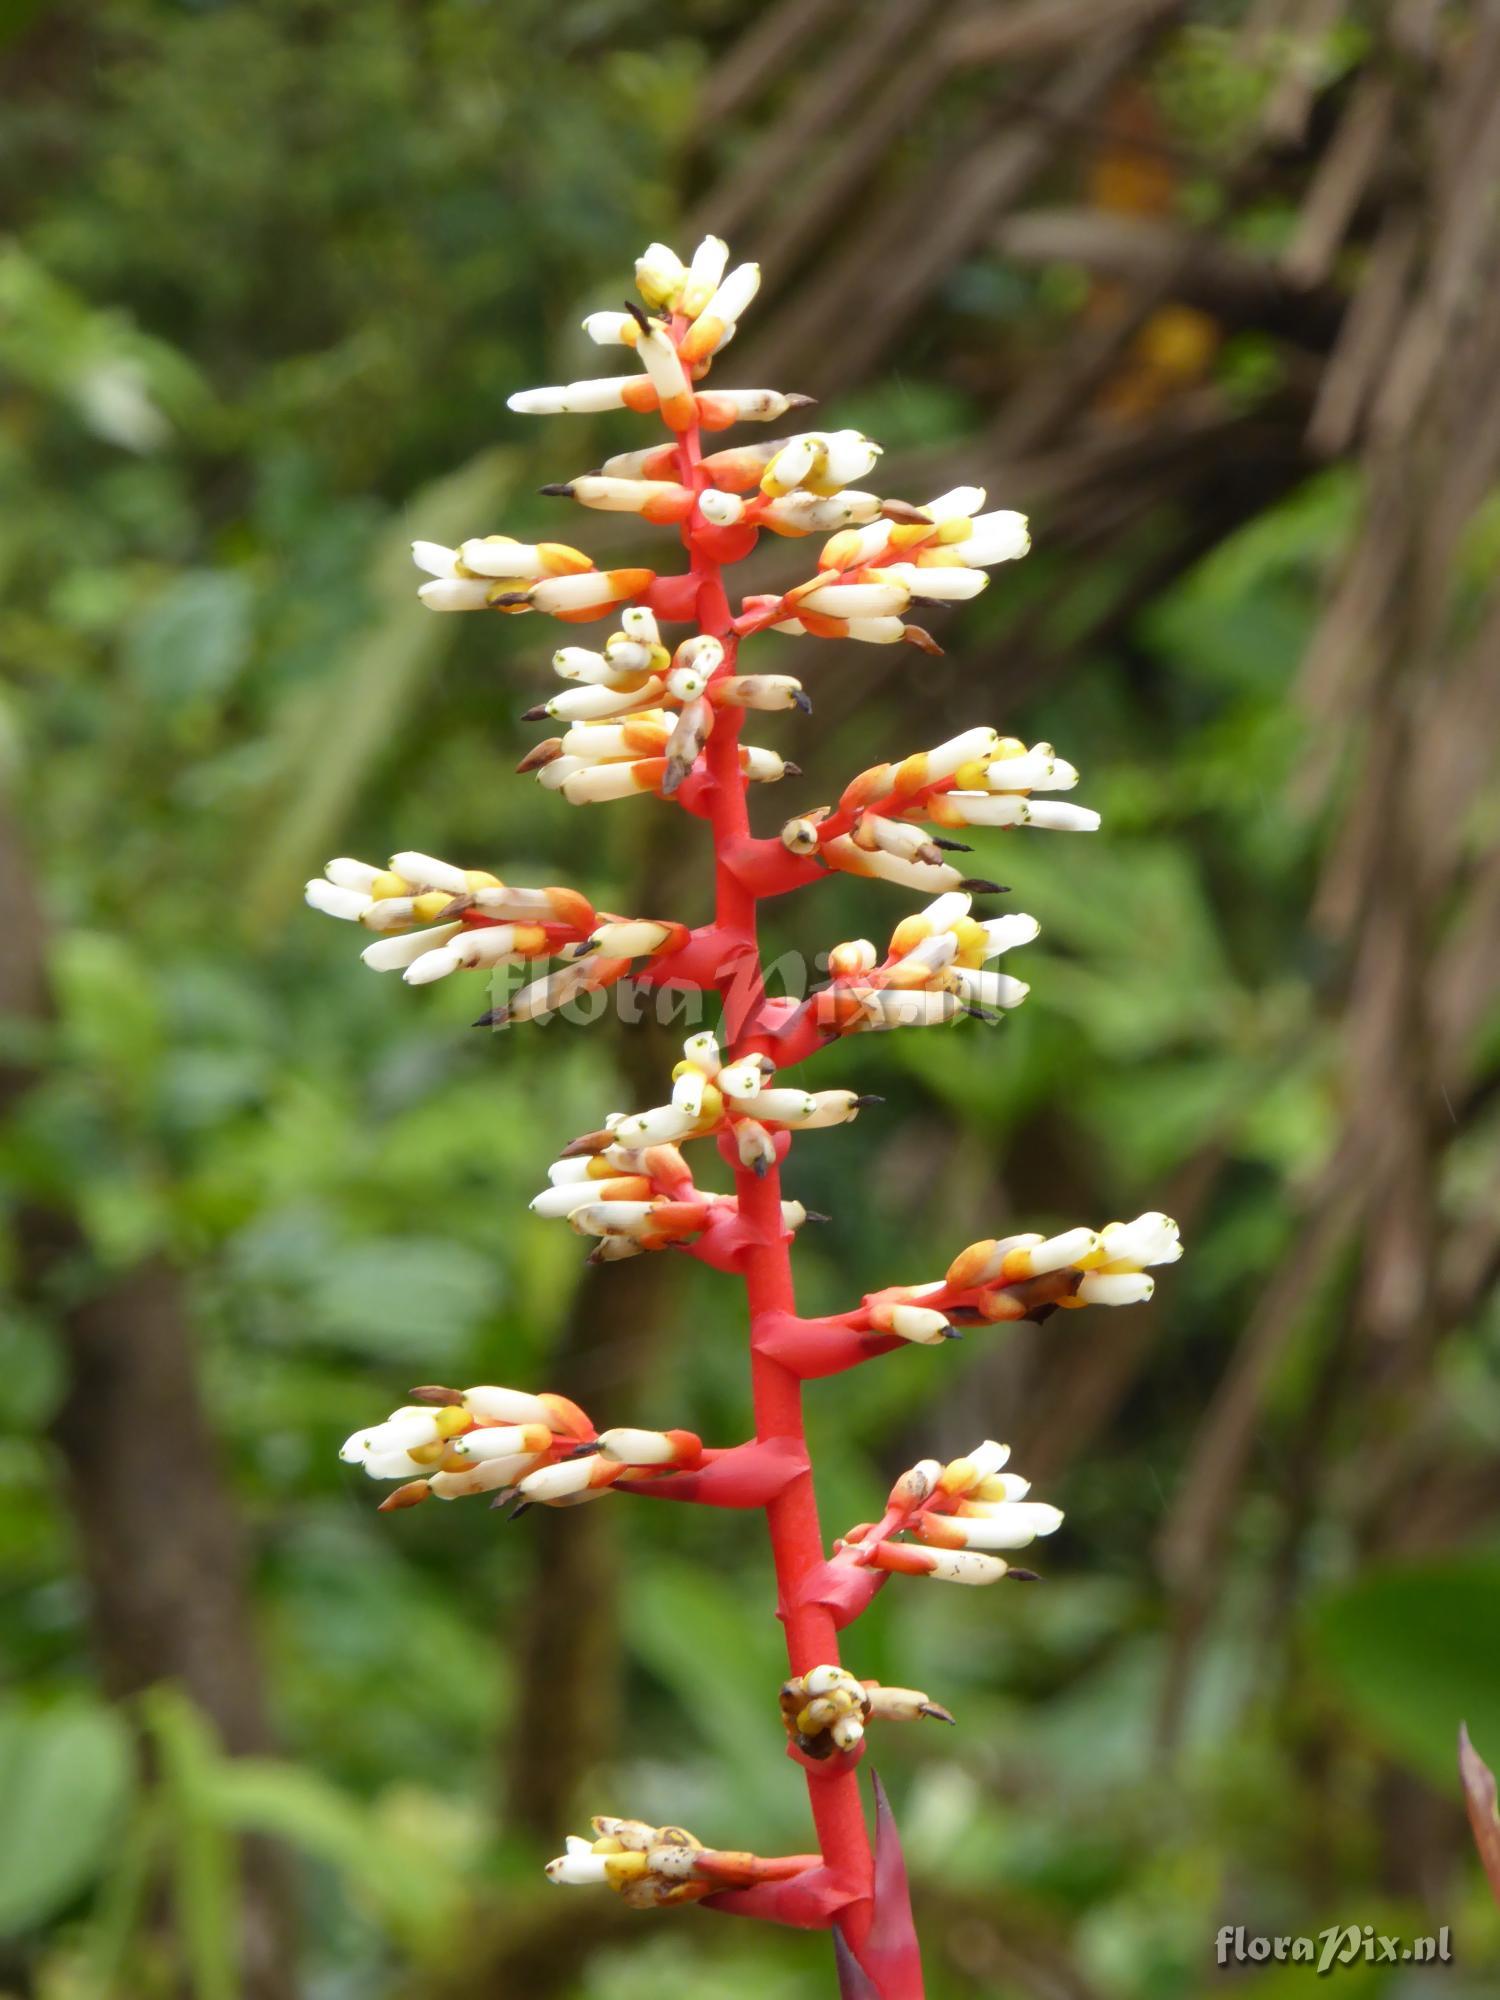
<point>1338,1945</point>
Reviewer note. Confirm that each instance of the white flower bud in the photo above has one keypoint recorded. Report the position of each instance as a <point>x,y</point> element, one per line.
<point>1013,1525</point>
<point>967,748</point>
<point>830,1107</point>
<point>820,514</point>
<point>458,593</point>
<point>1056,1253</point>
<point>703,653</point>
<point>659,276</point>
<point>687,1092</point>
<point>658,1127</point>
<point>916,1483</point>
<point>965,1566</point>
<point>396,953</point>
<point>566,1480</point>
<point>577,1870</point>
<point>639,624</point>
<point>784,1106</point>
<point>611,329</point>
<point>989,989</point>
<point>988,1457</point>
<point>946,583</point>
<point>1128,1288</point>
<point>822,1680</point>
<point>949,909</point>
<point>703,1050</point>
<point>598,704</point>
<point>722,510</point>
<point>613,1218</point>
<point>703,275</point>
<point>491,945</point>
<point>501,556</point>
<point>489,1475</point>
<point>502,1441</point>
<point>350,874</point>
<point>961,503</point>
<point>333,901</point>
<point>686,684</point>
<point>434,558</point>
<point>920,1324</point>
<point>556,1203</point>
<point>572,398</point>
<point>491,1405</point>
<point>849,455</point>
<point>792,464</point>
<point>636,1447</point>
<point>856,600</point>
<point>996,538</point>
<point>393,1465</point>
<point>987,809</point>
<point>1059,817</point>
<point>851,960</point>
<point>1005,933</point>
<point>743,1079</point>
<point>1151,1239</point>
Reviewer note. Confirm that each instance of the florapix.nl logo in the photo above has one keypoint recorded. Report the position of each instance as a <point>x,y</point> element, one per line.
<point>1336,1946</point>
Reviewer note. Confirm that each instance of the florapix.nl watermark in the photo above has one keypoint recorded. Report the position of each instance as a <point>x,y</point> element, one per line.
<point>516,995</point>
<point>1337,1946</point>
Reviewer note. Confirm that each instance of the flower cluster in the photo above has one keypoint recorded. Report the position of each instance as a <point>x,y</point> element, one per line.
<point>827,1709</point>
<point>649,1866</point>
<point>435,919</point>
<point>1025,1277</point>
<point>639,718</point>
<point>870,575</point>
<point>796,486</point>
<point>450,1444</point>
<point>497,573</point>
<point>960,1512</point>
<point>934,969</point>
<point>647,715</point>
<point>976,779</point>
<point>632,1163</point>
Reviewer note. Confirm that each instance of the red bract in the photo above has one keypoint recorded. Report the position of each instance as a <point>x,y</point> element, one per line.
<point>641,719</point>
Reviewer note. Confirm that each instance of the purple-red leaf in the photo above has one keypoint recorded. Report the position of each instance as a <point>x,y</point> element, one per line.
<point>889,1955</point>
<point>854,1982</point>
<point>1479,1797</point>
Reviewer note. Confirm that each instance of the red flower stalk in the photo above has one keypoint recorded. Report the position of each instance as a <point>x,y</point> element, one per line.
<point>642,719</point>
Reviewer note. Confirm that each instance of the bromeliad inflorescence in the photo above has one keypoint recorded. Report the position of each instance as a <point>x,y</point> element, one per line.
<point>652,712</point>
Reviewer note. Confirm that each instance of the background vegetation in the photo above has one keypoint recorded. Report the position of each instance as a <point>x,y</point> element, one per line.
<point>1208,290</point>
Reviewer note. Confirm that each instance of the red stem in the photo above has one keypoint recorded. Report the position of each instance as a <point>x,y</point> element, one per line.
<point>792,1516</point>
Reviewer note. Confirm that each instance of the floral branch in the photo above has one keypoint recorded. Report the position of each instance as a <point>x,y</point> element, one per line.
<point>639,716</point>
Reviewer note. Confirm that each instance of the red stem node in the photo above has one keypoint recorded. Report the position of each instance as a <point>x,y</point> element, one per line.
<point>843,1590</point>
<point>813,1348</point>
<point>748,1475</point>
<point>811,1902</point>
<point>766,868</point>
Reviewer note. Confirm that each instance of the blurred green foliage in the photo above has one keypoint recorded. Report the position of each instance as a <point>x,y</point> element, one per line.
<point>270,272</point>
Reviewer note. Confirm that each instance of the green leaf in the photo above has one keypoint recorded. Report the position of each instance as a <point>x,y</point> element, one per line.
<point>65,1775</point>
<point>202,1854</point>
<point>1414,1650</point>
<point>412,1884</point>
<point>192,641</point>
<point>366,697</point>
<point>379,1297</point>
<point>692,1630</point>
